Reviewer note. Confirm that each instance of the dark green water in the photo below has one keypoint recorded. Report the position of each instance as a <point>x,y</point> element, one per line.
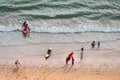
<point>61,16</point>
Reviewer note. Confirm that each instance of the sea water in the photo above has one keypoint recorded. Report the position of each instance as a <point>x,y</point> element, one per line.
<point>59,21</point>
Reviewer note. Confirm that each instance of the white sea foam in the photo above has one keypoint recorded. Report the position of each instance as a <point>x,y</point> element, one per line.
<point>63,29</point>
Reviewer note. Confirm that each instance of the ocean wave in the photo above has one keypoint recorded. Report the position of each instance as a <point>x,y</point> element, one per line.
<point>62,29</point>
<point>20,6</point>
<point>58,16</point>
<point>61,9</point>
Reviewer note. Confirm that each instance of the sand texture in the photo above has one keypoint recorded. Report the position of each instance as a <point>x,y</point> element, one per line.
<point>97,64</point>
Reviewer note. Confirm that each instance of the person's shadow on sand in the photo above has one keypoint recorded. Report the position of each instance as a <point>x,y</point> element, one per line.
<point>15,70</point>
<point>67,67</point>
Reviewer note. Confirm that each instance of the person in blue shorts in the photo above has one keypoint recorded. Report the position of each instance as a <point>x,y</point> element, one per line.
<point>98,44</point>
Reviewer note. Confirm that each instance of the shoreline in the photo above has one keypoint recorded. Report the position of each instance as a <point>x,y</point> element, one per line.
<point>17,39</point>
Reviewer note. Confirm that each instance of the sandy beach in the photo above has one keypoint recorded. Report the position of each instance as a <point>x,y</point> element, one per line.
<point>97,64</point>
<point>28,28</point>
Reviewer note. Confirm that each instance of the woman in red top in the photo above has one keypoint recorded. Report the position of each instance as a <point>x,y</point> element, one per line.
<point>70,55</point>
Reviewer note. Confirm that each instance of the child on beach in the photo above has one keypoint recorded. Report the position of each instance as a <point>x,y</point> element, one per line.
<point>16,68</point>
<point>70,55</point>
<point>17,63</point>
<point>48,53</point>
<point>25,26</point>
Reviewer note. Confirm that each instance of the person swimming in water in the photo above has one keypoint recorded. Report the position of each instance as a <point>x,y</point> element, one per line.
<point>25,27</point>
<point>24,24</point>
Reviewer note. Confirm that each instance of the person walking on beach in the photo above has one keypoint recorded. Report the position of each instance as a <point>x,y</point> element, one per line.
<point>48,54</point>
<point>17,63</point>
<point>81,53</point>
<point>72,61</point>
<point>16,68</point>
<point>70,55</point>
<point>98,44</point>
<point>82,48</point>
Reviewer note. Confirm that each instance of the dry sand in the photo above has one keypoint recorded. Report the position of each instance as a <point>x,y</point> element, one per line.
<point>97,64</point>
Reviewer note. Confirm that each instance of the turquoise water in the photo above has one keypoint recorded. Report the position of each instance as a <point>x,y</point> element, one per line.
<point>61,16</point>
<point>59,21</point>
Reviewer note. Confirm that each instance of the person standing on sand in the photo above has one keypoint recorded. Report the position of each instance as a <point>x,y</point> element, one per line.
<point>93,44</point>
<point>81,53</point>
<point>98,44</point>
<point>49,52</point>
<point>82,48</point>
<point>70,55</point>
<point>17,63</point>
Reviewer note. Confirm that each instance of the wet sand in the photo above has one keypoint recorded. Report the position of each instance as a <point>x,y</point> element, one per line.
<point>97,64</point>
